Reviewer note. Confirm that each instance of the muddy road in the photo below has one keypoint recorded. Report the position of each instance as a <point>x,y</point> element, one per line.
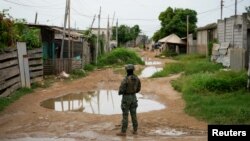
<point>26,120</point>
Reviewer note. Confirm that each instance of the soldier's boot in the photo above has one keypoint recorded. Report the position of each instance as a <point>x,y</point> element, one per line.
<point>121,134</point>
<point>135,132</point>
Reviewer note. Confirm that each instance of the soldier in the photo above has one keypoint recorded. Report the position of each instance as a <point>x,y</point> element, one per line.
<point>129,87</point>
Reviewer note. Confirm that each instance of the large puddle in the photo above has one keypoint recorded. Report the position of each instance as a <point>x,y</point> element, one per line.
<point>104,102</point>
<point>149,71</point>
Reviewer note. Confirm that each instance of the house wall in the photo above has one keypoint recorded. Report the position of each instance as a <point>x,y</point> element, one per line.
<point>202,41</point>
<point>234,30</point>
<point>192,44</point>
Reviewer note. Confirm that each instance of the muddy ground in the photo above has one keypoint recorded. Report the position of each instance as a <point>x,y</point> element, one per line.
<point>27,120</point>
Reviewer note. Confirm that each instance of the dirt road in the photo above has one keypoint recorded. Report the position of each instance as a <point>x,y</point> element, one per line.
<point>27,120</point>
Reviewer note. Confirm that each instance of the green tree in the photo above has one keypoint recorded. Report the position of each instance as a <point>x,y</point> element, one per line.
<point>174,21</point>
<point>126,33</point>
<point>248,9</point>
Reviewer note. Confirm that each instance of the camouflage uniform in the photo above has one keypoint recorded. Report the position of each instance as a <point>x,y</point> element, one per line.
<point>129,87</point>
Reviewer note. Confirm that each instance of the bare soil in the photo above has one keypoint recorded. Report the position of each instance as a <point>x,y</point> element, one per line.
<point>27,120</point>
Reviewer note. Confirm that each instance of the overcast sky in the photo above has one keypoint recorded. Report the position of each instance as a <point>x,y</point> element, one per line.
<point>142,12</point>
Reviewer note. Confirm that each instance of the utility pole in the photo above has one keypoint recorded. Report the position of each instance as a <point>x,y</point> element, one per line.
<point>108,36</point>
<point>98,35</point>
<point>112,25</point>
<point>235,7</point>
<point>69,38</point>
<point>116,32</point>
<point>221,9</point>
<point>64,27</point>
<point>36,18</point>
<point>92,23</point>
<point>113,20</point>
<point>187,34</point>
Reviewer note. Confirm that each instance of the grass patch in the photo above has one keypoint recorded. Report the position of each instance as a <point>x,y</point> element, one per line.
<point>218,97</point>
<point>89,67</point>
<point>172,68</point>
<point>189,64</point>
<point>6,101</point>
<point>200,65</point>
<point>189,57</point>
<point>119,56</point>
<point>77,73</point>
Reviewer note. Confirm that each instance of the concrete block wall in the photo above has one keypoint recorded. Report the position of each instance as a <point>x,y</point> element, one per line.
<point>221,31</point>
<point>234,30</point>
<point>231,30</point>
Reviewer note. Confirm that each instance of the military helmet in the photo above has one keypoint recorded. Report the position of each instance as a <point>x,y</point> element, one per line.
<point>129,67</point>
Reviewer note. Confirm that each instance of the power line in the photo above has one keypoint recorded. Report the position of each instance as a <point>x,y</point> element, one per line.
<point>27,5</point>
<point>211,10</point>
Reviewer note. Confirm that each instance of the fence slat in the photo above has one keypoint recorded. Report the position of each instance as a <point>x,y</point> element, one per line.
<point>10,82</point>
<point>36,62</point>
<point>34,51</point>
<point>11,89</point>
<point>36,68</point>
<point>8,55</point>
<point>36,73</point>
<point>8,64</point>
<point>35,56</point>
<point>9,72</point>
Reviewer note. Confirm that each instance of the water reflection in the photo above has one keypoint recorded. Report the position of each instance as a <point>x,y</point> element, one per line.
<point>105,102</point>
<point>149,61</point>
<point>149,71</point>
<point>168,132</point>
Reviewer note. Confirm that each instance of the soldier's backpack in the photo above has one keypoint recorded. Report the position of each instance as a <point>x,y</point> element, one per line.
<point>132,84</point>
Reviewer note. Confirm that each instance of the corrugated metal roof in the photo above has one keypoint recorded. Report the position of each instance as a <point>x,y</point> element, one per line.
<point>72,33</point>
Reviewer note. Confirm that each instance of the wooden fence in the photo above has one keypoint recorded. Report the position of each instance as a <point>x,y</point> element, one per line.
<point>10,79</point>
<point>56,66</point>
<point>35,65</point>
<point>9,73</point>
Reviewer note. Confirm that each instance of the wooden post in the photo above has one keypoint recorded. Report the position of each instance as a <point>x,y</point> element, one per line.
<point>107,42</point>
<point>69,38</point>
<point>64,27</point>
<point>98,35</point>
<point>116,33</point>
<point>26,71</point>
<point>23,64</point>
<point>187,34</point>
<point>36,18</point>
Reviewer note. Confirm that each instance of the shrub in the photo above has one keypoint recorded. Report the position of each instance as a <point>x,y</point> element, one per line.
<point>78,73</point>
<point>227,81</point>
<point>119,56</point>
<point>89,67</point>
<point>201,65</point>
<point>218,97</point>
<point>169,53</point>
<point>220,82</point>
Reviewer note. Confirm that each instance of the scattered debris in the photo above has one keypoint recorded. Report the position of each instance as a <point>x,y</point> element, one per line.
<point>63,74</point>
